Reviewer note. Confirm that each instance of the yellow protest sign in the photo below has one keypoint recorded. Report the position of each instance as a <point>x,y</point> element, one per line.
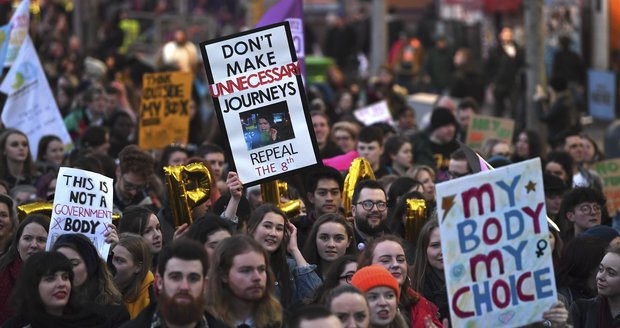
<point>609,171</point>
<point>484,127</point>
<point>164,109</point>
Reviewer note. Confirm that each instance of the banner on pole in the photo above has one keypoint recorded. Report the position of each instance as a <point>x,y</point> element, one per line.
<point>20,24</point>
<point>30,106</point>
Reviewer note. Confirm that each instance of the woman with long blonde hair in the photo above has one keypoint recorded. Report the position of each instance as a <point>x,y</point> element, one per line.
<point>132,260</point>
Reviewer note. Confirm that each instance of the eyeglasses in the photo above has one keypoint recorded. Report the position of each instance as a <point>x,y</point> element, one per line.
<point>368,204</point>
<point>347,277</point>
<point>589,209</point>
<point>131,186</point>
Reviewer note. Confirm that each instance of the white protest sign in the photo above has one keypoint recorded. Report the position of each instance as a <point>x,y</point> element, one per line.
<point>82,204</point>
<point>496,249</point>
<point>375,113</point>
<point>255,81</point>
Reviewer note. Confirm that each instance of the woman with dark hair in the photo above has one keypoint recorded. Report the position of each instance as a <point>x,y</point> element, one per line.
<point>400,187</point>
<point>388,252</point>
<point>266,133</point>
<point>239,301</point>
<point>43,296</point>
<point>143,222</point>
<point>209,230</point>
<point>46,185</point>
<point>557,246</point>
<point>427,269</point>
<point>602,310</point>
<point>132,260</point>
<point>174,155</point>
<point>296,279</point>
<point>560,164</point>
<point>330,238</point>
<point>528,145</point>
<point>50,154</point>
<point>575,276</point>
<point>8,222</point>
<point>92,283</point>
<point>397,155</point>
<point>16,166</point>
<point>30,238</point>
<point>340,273</point>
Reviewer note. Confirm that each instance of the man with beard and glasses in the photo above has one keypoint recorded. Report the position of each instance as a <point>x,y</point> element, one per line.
<point>369,209</point>
<point>181,280</point>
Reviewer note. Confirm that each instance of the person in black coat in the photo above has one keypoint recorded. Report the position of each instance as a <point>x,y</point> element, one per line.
<point>505,61</point>
<point>603,310</point>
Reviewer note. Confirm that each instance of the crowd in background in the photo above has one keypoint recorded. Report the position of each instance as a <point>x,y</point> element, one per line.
<point>264,268</point>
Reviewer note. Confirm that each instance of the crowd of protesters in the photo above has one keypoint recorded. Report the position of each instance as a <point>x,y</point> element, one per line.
<point>244,262</point>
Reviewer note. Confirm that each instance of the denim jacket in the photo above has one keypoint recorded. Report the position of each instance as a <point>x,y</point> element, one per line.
<point>304,281</point>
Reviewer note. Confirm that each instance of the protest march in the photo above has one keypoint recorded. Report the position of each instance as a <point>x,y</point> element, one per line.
<point>289,163</point>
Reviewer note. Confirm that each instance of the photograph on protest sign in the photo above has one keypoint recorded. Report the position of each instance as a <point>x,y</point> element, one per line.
<point>609,172</point>
<point>255,77</point>
<point>496,249</point>
<point>82,204</point>
<point>267,125</point>
<point>165,109</point>
<point>483,127</point>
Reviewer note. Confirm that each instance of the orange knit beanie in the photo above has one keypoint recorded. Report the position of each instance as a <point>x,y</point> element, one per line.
<point>373,276</point>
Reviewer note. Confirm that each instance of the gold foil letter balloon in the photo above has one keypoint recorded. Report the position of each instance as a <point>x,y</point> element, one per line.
<point>272,192</point>
<point>415,218</point>
<point>24,210</point>
<point>188,187</point>
<point>360,170</point>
